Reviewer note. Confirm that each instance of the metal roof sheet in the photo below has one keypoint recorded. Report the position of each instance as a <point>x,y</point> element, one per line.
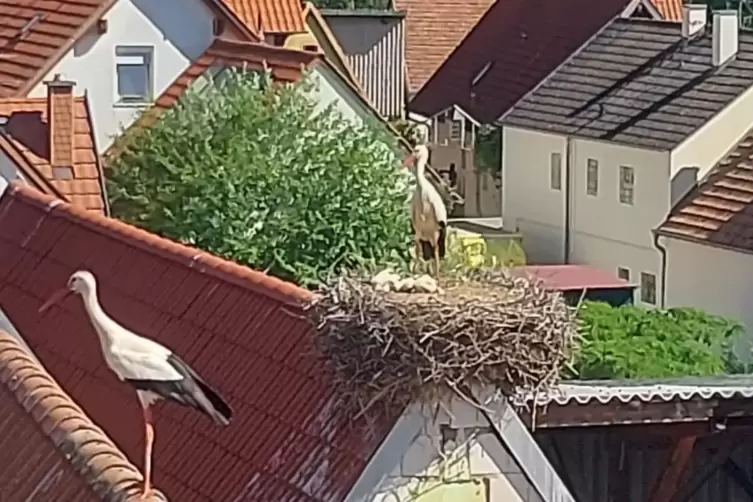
<point>624,391</point>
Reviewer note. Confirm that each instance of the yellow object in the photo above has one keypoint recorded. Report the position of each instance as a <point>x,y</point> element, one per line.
<point>476,250</point>
<point>463,491</point>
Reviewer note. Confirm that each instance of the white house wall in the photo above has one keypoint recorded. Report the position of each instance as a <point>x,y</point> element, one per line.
<point>714,139</point>
<point>607,234</point>
<point>178,30</point>
<point>604,233</point>
<point>8,172</point>
<point>712,279</point>
<point>528,204</point>
<point>408,466</point>
<point>330,89</point>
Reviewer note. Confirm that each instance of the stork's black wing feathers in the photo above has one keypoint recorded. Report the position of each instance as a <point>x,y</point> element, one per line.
<point>190,391</point>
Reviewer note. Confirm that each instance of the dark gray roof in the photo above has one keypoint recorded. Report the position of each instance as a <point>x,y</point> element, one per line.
<point>639,83</point>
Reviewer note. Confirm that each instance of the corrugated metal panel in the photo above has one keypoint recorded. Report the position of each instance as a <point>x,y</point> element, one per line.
<point>635,463</point>
<point>612,391</point>
<point>375,49</point>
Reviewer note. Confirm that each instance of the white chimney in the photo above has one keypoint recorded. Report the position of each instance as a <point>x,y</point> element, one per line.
<point>693,19</point>
<point>724,36</point>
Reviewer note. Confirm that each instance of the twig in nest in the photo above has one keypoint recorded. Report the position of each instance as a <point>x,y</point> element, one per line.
<point>488,329</point>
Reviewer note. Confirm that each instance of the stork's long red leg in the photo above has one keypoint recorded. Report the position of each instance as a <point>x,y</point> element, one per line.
<point>148,452</point>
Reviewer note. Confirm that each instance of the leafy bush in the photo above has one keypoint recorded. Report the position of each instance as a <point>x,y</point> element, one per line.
<point>261,174</point>
<point>633,342</point>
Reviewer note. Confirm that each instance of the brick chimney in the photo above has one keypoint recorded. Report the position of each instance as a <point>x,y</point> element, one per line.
<point>60,113</point>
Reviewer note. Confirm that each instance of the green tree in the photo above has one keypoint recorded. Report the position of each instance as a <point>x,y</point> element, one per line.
<point>633,342</point>
<point>261,174</point>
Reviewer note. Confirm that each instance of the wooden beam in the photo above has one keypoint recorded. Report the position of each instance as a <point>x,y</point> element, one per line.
<point>669,482</point>
<point>727,447</point>
<point>737,473</point>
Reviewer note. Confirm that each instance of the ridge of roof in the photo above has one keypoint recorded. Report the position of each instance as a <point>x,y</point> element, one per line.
<point>82,444</point>
<point>196,259</point>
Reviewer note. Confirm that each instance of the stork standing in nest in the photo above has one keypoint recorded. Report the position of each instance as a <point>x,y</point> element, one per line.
<point>428,212</point>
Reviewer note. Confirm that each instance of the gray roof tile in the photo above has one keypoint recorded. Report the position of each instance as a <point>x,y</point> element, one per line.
<point>637,82</point>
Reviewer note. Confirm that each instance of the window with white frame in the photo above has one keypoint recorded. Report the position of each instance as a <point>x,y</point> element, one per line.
<point>592,177</point>
<point>627,185</point>
<point>623,273</point>
<point>648,288</point>
<point>555,171</point>
<point>133,67</point>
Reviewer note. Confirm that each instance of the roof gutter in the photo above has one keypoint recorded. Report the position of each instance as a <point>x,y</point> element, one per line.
<point>663,276</point>
<point>568,199</point>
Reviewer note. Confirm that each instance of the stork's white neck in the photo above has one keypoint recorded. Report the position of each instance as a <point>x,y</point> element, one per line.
<point>103,323</point>
<point>421,180</point>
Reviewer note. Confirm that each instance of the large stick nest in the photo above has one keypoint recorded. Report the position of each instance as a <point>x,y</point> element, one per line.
<point>488,329</point>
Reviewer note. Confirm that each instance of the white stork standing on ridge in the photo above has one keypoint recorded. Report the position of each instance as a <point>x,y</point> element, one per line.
<point>428,212</point>
<point>153,370</point>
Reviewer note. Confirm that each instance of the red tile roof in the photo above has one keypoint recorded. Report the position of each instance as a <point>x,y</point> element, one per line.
<point>51,28</point>
<point>41,422</point>
<point>519,42</point>
<point>433,29</point>
<point>720,210</point>
<point>572,277</point>
<point>670,10</point>
<point>276,16</point>
<point>292,438</point>
<point>286,65</point>
<point>26,141</point>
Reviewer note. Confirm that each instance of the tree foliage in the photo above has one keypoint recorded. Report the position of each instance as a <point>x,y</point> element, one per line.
<point>633,342</point>
<point>262,174</point>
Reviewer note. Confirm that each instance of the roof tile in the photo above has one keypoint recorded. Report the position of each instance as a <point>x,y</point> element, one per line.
<point>277,356</point>
<point>670,10</point>
<point>27,131</point>
<point>433,29</point>
<point>638,82</point>
<point>277,16</point>
<point>41,422</point>
<point>521,42</point>
<point>24,57</point>
<point>720,210</point>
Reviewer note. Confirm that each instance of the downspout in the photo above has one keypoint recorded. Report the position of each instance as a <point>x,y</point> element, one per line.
<point>568,197</point>
<point>663,252</point>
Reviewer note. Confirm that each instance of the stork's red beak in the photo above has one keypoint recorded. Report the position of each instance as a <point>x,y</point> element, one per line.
<point>409,160</point>
<point>56,297</point>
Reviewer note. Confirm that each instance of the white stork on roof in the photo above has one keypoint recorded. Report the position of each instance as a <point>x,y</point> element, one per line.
<point>153,370</point>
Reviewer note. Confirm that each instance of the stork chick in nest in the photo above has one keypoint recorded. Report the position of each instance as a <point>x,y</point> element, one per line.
<point>428,213</point>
